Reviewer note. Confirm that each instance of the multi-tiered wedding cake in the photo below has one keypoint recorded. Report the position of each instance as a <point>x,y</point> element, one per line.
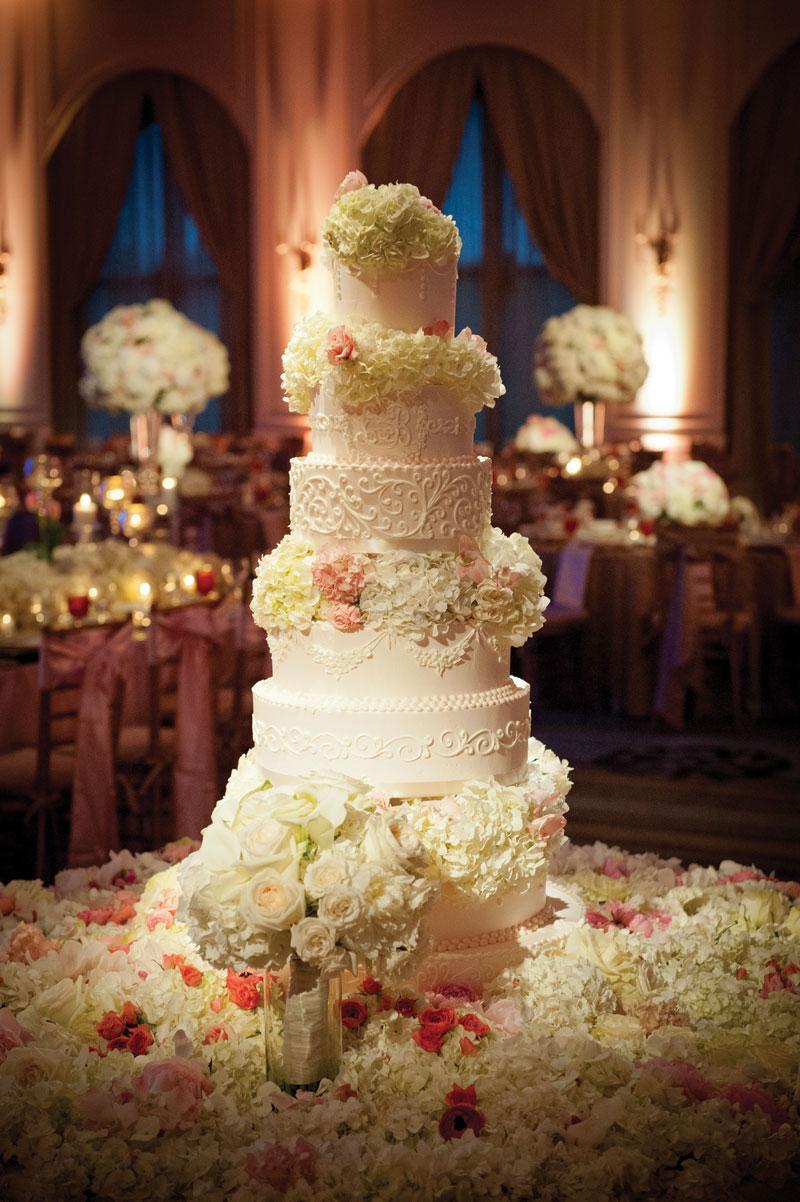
<point>390,609</point>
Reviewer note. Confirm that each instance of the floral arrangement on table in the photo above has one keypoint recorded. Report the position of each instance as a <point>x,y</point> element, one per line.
<point>313,868</point>
<point>496,585</point>
<point>687,492</point>
<point>543,435</point>
<point>24,576</point>
<point>388,227</point>
<point>368,363</point>
<point>149,356</point>
<point>590,353</point>
<point>654,1054</point>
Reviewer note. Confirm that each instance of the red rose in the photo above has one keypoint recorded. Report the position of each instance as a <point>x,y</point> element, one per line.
<point>353,1013</point>
<point>130,1016</point>
<point>439,1020</point>
<point>471,1022</point>
<point>468,1048</point>
<point>406,1006</point>
<point>139,1040</point>
<point>462,1095</point>
<point>110,1026</point>
<point>458,1119</point>
<point>243,990</point>
<point>370,985</point>
<point>191,975</point>
<point>428,1038</point>
<point>121,1044</point>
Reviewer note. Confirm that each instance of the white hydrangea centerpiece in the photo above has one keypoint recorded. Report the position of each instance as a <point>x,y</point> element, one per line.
<point>591,353</point>
<point>544,435</point>
<point>151,357</point>
<point>687,492</point>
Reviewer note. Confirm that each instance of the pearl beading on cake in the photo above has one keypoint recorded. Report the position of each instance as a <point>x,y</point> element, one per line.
<point>470,943</point>
<point>442,703</point>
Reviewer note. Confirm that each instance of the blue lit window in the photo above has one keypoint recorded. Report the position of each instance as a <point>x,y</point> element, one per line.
<point>156,251</point>
<point>505,290</point>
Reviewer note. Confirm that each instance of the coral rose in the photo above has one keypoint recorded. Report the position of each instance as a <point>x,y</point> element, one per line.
<point>473,1024</point>
<point>243,990</point>
<point>139,1040</point>
<point>341,345</point>
<point>110,1026</point>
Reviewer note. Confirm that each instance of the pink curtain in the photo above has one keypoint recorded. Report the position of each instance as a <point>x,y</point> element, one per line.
<point>764,244</point>
<point>548,139</point>
<point>87,178</point>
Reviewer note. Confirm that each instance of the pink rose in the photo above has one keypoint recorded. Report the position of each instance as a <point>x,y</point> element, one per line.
<point>159,918</point>
<point>543,828</point>
<point>12,1035</point>
<point>177,1086</point>
<point>345,617</point>
<point>648,923</point>
<point>352,182</point>
<point>280,1167</point>
<point>338,573</point>
<point>472,565</point>
<point>26,944</point>
<point>341,345</point>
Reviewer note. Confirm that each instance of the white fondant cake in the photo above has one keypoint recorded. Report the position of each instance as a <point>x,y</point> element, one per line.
<point>392,606</point>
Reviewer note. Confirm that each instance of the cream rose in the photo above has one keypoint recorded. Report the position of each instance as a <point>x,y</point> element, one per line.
<point>390,840</point>
<point>220,847</point>
<point>760,907</point>
<point>271,902</point>
<point>266,843</point>
<point>325,874</point>
<point>340,906</point>
<point>314,940</point>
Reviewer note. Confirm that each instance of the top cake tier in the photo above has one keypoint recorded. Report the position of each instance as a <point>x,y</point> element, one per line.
<point>392,255</point>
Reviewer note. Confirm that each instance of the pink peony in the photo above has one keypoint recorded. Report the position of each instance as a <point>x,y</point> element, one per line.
<point>280,1167</point>
<point>505,1016</point>
<point>341,345</point>
<point>177,1086</point>
<point>352,182</point>
<point>338,573</point>
<point>345,617</point>
<point>12,1035</point>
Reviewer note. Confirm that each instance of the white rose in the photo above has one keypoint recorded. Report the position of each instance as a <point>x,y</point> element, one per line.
<point>266,843</point>
<point>760,907</point>
<point>293,807</point>
<point>381,890</point>
<point>271,902</point>
<point>314,940</point>
<point>220,847</point>
<point>340,906</point>
<point>390,840</point>
<point>325,873</point>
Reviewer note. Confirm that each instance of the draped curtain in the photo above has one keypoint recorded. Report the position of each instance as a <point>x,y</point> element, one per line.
<point>87,178</point>
<point>764,246</point>
<point>548,138</point>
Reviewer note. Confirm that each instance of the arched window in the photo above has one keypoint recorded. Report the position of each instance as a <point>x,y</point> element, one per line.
<point>156,251</point>
<point>505,290</point>
<point>149,194</point>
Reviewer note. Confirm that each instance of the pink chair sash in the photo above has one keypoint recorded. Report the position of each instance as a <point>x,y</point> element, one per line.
<point>189,635</point>
<point>94,658</point>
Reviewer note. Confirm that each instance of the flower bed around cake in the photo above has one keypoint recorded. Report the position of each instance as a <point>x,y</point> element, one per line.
<point>653,1055</point>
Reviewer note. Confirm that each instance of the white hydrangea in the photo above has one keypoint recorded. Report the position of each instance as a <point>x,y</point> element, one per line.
<point>688,492</point>
<point>590,353</point>
<point>284,594</point>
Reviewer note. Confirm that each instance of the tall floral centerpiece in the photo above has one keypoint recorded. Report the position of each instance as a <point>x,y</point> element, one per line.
<point>149,360</point>
<point>589,357</point>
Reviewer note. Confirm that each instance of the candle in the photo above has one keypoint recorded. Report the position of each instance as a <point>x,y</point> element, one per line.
<point>205,580</point>
<point>84,513</point>
<point>188,582</point>
<point>7,625</point>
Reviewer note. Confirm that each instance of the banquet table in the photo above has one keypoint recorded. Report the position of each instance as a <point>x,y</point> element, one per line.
<point>651,1051</point>
<point>626,602</point>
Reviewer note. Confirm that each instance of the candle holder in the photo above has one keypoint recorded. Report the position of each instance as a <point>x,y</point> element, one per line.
<point>205,580</point>
<point>135,520</point>
<point>78,606</point>
<point>84,514</point>
<point>115,492</point>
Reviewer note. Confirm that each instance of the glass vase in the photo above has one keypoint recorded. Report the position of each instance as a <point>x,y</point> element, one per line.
<point>590,422</point>
<point>302,1026</point>
<point>145,429</point>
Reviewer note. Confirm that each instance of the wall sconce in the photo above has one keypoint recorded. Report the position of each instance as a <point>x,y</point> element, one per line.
<point>309,285</point>
<point>659,236</point>
<point>5,265</point>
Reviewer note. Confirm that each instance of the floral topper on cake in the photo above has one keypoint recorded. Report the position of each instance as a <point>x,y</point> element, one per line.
<point>150,356</point>
<point>590,353</point>
<point>391,227</point>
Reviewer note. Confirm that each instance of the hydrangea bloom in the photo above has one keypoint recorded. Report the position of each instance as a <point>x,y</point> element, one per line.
<point>590,353</point>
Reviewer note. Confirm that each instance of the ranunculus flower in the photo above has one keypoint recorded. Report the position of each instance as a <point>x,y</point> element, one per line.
<point>243,990</point>
<point>467,1047</point>
<point>271,902</point>
<point>177,1085</point>
<point>139,1040</point>
<point>441,1019</point>
<point>131,1015</point>
<point>341,345</point>
<point>428,1038</point>
<point>457,1120</point>
<point>353,1013</point>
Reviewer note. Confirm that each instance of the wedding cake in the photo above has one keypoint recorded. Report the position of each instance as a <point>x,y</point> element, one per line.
<point>391,609</point>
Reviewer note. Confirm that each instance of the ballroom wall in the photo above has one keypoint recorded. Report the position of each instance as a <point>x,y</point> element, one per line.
<point>306,80</point>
